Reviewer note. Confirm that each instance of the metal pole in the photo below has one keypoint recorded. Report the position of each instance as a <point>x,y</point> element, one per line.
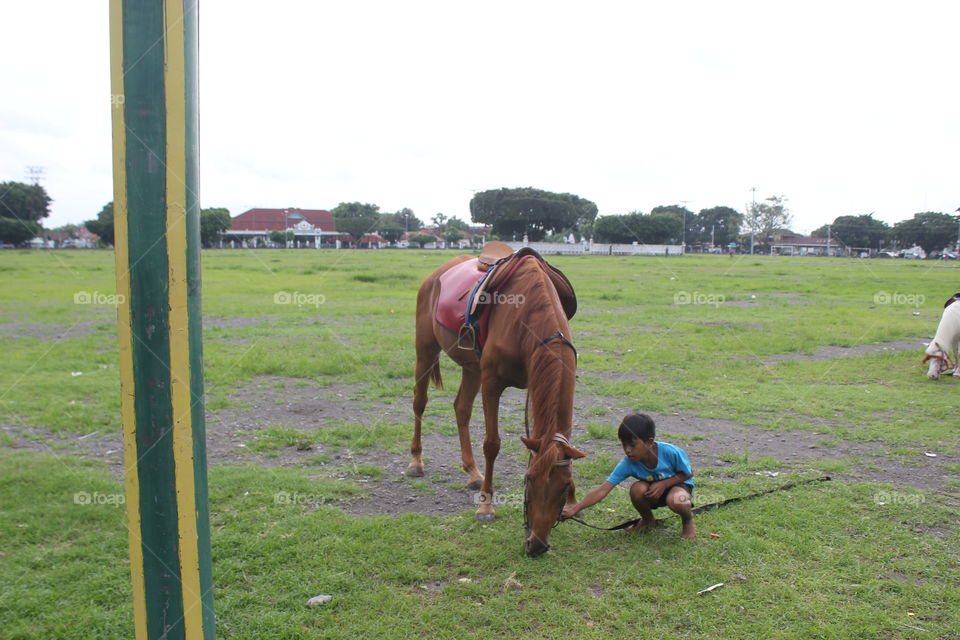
<point>153,55</point>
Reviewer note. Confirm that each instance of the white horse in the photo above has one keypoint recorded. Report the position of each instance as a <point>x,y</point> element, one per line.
<point>941,353</point>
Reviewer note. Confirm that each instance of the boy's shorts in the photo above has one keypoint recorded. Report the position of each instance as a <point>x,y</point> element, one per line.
<point>662,502</point>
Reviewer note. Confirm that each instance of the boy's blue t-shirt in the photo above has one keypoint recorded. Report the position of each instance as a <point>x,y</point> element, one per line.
<point>671,460</point>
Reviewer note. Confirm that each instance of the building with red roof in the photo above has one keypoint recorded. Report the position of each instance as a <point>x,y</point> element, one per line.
<point>311,227</point>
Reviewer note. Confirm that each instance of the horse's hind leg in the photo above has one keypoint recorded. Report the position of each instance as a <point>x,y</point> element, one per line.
<point>463,407</point>
<point>428,367</point>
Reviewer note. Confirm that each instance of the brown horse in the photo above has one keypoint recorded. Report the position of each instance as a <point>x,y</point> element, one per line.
<point>527,347</point>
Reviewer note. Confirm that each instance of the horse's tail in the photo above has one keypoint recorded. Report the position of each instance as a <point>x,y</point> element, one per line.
<point>435,375</point>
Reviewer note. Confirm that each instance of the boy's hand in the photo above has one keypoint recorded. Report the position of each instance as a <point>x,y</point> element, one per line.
<point>656,490</point>
<point>569,512</point>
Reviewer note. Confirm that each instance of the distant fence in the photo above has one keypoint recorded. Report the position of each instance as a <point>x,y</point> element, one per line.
<point>597,249</point>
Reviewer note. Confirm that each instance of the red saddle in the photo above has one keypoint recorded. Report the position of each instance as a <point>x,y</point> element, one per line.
<point>455,286</point>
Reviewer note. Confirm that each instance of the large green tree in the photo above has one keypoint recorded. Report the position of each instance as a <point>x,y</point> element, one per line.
<point>763,218</point>
<point>440,222</point>
<point>452,236</point>
<point>421,239</point>
<point>856,231</point>
<point>406,219</point>
<point>69,229</point>
<point>932,231</point>
<point>24,201</point>
<point>685,216</point>
<point>457,223</point>
<point>534,212</point>
<point>103,224</point>
<point>213,222</point>
<point>389,229</point>
<point>394,225</point>
<point>720,225</point>
<point>660,228</point>
<point>356,219</point>
<point>18,232</point>
<point>22,207</point>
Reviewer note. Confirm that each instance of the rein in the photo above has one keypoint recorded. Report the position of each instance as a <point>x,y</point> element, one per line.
<point>706,507</point>
<point>562,338</point>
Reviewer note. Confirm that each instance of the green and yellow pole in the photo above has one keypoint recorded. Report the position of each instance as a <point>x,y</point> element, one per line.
<point>153,56</point>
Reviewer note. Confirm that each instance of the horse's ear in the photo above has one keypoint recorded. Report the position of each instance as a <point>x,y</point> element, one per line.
<point>570,452</point>
<point>531,443</point>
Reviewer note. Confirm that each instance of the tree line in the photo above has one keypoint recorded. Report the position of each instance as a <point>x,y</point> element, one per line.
<point>538,215</point>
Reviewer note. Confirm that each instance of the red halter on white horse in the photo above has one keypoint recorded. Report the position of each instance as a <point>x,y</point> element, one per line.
<point>941,353</point>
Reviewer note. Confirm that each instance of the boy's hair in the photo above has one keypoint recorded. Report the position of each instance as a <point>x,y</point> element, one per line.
<point>636,426</point>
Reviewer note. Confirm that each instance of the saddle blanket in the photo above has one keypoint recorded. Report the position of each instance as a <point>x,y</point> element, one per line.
<point>455,287</point>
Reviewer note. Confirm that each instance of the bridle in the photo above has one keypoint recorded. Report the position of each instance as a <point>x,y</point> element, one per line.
<point>563,462</point>
<point>946,363</point>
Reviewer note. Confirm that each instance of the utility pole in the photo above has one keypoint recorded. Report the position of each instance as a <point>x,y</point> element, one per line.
<point>753,208</point>
<point>683,234</point>
<point>829,230</point>
<point>35,174</point>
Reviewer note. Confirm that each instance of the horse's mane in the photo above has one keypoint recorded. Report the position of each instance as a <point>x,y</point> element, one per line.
<point>547,365</point>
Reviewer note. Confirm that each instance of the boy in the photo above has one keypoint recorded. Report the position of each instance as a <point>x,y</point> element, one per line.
<point>662,471</point>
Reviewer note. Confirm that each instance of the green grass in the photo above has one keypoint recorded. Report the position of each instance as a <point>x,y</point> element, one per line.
<point>710,359</point>
<point>824,561</point>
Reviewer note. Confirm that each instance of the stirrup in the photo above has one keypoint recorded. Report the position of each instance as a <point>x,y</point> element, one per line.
<point>466,331</point>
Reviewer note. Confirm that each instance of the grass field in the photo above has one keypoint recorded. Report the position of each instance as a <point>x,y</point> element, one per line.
<point>772,348</point>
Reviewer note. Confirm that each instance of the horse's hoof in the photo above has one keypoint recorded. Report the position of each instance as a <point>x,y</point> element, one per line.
<point>415,472</point>
<point>475,485</point>
<point>486,517</point>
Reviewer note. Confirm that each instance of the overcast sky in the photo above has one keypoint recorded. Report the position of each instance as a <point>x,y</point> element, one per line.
<point>842,107</point>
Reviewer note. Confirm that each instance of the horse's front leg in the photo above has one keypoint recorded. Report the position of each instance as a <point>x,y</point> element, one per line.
<point>492,389</point>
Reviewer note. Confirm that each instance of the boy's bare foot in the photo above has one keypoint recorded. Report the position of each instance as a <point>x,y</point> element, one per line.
<point>645,523</point>
<point>688,531</point>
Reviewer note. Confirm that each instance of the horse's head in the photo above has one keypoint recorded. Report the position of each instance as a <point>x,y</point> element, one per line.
<point>546,488</point>
<point>939,362</point>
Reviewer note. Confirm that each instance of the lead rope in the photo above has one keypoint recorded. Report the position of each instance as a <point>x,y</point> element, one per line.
<point>706,507</point>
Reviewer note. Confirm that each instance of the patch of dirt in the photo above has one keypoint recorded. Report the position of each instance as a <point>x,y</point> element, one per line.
<point>51,331</point>
<point>55,331</point>
<point>303,405</point>
<point>234,322</point>
<point>829,353</point>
